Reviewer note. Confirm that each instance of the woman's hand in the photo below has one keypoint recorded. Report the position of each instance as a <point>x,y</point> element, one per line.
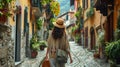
<point>46,58</point>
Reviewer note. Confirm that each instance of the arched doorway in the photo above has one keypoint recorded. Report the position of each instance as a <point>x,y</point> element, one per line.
<point>92,42</point>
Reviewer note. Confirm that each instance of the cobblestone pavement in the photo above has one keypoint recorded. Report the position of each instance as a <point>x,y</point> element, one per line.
<point>81,58</point>
<point>84,58</point>
<point>33,62</point>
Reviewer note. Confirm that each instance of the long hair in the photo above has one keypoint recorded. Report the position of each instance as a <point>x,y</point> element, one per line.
<point>57,33</point>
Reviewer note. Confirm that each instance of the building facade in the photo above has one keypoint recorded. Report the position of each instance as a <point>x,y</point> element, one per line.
<point>99,19</point>
<point>16,31</point>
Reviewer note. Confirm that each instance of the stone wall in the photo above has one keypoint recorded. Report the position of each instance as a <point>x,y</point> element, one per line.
<point>6,47</point>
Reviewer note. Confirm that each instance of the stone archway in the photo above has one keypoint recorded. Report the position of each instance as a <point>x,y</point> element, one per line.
<point>92,40</point>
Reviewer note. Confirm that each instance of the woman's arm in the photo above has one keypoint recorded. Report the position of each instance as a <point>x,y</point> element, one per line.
<point>46,57</point>
<point>68,50</point>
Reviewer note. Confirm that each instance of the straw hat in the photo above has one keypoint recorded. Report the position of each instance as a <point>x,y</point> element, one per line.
<point>59,23</point>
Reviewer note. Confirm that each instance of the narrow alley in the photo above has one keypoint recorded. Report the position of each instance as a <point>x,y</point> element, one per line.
<point>81,58</point>
<point>92,28</point>
<point>84,58</point>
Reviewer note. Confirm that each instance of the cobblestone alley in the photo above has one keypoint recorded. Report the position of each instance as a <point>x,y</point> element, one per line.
<point>81,58</point>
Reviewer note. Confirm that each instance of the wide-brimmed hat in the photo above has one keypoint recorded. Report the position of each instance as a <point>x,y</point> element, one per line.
<point>59,23</point>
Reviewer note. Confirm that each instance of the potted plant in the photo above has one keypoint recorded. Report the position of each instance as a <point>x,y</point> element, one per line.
<point>113,52</point>
<point>34,46</point>
<point>78,14</point>
<point>4,10</point>
<point>42,45</point>
<point>96,53</point>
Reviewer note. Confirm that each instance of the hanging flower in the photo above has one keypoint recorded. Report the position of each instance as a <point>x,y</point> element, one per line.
<point>4,10</point>
<point>55,7</point>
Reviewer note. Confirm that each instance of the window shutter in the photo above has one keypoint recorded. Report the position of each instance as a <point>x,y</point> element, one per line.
<point>83,3</point>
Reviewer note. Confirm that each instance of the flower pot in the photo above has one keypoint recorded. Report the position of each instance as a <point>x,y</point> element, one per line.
<point>42,47</point>
<point>96,55</point>
<point>3,17</point>
<point>34,54</point>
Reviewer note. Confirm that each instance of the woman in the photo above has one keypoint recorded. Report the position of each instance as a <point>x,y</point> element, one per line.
<point>57,39</point>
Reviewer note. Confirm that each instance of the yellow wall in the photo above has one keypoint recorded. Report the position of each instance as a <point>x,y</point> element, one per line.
<point>23,4</point>
<point>11,18</point>
<point>93,21</point>
<point>26,3</point>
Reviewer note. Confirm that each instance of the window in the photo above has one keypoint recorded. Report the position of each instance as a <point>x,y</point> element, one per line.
<point>85,4</point>
<point>18,38</point>
<point>92,2</point>
<point>35,3</point>
<point>71,2</point>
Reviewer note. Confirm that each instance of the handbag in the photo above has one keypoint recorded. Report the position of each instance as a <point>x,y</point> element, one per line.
<point>46,63</point>
<point>61,56</point>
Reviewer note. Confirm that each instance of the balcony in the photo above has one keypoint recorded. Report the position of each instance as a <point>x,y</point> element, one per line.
<point>36,8</point>
<point>102,6</point>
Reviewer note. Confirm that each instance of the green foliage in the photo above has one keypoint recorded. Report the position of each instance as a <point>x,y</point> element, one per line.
<point>3,3</point>
<point>73,29</point>
<point>113,50</point>
<point>101,38</point>
<point>90,12</point>
<point>51,23</point>
<point>4,9</point>
<point>43,43</point>
<point>55,7</point>
<point>34,42</point>
<point>52,20</point>
<point>77,38</point>
<point>44,2</point>
<point>39,23</point>
<point>78,14</point>
<point>35,46</point>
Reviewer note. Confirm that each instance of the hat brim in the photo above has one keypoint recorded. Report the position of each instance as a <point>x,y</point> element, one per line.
<point>59,26</point>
